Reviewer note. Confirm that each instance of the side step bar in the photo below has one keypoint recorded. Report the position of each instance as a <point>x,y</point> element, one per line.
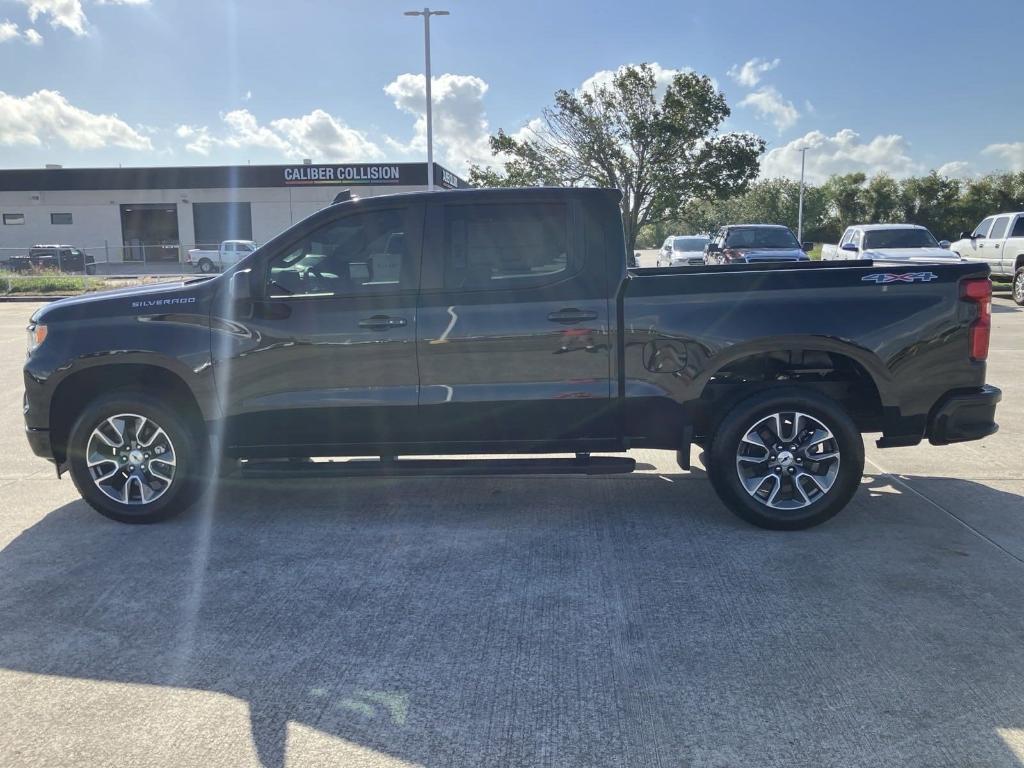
<point>582,465</point>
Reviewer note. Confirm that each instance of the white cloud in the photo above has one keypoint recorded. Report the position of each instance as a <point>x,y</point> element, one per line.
<point>61,13</point>
<point>749,74</point>
<point>957,169</point>
<point>68,13</point>
<point>200,141</point>
<point>318,135</point>
<point>1010,154</point>
<point>460,121</point>
<point>46,116</point>
<point>842,153</point>
<point>9,31</point>
<point>769,104</point>
<point>663,76</point>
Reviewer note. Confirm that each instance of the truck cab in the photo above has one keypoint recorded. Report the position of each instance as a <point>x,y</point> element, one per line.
<point>999,242</point>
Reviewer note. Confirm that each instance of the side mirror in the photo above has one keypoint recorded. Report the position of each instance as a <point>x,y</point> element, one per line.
<point>240,287</point>
<point>807,246</point>
<point>944,244</point>
<point>849,247</point>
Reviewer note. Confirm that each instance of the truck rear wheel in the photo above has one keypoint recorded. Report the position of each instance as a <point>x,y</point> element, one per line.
<point>787,459</point>
<point>134,460</point>
<point>206,266</point>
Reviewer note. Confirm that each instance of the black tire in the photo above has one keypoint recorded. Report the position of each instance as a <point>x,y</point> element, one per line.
<point>206,266</point>
<point>189,453</point>
<point>727,444</point>
<point>1018,287</point>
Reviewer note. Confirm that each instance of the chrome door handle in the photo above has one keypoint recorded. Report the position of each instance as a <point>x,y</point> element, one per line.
<point>381,323</point>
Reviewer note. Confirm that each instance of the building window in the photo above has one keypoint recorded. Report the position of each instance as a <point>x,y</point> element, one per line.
<point>14,218</point>
<point>60,218</point>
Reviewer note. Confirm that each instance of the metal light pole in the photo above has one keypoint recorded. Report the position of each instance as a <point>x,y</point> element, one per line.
<point>426,13</point>
<point>800,210</point>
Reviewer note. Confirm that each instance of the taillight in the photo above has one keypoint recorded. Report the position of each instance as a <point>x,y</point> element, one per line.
<point>979,291</point>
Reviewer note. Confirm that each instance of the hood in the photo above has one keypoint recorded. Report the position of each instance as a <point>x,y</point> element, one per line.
<point>911,255</point>
<point>770,254</point>
<point>141,299</point>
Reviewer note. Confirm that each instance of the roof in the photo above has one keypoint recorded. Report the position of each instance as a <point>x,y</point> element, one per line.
<point>765,226</point>
<point>875,227</point>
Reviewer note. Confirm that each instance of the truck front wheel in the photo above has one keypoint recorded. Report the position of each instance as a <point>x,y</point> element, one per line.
<point>1018,286</point>
<point>133,459</point>
<point>786,459</point>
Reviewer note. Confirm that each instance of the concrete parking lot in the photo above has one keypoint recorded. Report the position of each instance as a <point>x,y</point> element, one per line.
<point>606,621</point>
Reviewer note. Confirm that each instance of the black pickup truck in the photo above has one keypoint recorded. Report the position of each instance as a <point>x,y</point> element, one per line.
<point>505,322</point>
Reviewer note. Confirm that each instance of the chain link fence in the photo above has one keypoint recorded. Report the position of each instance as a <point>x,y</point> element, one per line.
<point>105,259</point>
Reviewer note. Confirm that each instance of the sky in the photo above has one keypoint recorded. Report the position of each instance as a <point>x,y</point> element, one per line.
<point>895,86</point>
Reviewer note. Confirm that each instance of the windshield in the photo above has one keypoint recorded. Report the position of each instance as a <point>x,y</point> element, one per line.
<point>761,237</point>
<point>899,238</point>
<point>689,243</point>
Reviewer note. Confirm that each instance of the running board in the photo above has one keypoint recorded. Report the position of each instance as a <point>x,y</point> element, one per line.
<point>585,465</point>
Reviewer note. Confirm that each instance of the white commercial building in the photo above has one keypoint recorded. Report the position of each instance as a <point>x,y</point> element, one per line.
<point>154,215</point>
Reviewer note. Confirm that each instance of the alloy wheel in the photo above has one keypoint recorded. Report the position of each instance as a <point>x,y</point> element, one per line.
<point>131,459</point>
<point>788,460</point>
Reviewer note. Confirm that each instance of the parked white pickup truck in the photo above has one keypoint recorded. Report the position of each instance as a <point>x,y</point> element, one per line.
<point>889,243</point>
<point>228,254</point>
<point>999,241</point>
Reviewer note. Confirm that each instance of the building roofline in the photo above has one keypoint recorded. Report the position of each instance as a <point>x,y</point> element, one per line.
<point>339,175</point>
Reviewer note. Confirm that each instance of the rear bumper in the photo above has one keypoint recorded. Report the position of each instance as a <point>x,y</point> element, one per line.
<point>962,416</point>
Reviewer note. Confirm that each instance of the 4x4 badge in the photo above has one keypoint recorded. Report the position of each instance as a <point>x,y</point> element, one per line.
<point>883,278</point>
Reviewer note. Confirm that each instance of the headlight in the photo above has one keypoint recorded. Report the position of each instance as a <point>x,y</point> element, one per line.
<point>36,336</point>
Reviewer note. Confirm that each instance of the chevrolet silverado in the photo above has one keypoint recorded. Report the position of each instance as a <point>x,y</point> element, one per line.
<point>505,322</point>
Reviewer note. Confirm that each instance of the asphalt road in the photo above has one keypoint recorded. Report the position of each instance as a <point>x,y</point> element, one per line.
<point>607,621</point>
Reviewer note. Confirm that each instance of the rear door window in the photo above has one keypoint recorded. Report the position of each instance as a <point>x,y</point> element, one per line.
<point>999,228</point>
<point>494,247</point>
<point>1018,228</point>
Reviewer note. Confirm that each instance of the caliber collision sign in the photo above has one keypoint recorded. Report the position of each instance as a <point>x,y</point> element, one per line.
<point>342,174</point>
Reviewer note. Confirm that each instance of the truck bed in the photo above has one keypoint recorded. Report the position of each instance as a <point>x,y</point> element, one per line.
<point>903,328</point>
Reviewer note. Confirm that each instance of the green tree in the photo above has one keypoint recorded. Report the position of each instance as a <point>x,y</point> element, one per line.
<point>661,153</point>
<point>882,202</point>
<point>845,194</point>
<point>930,201</point>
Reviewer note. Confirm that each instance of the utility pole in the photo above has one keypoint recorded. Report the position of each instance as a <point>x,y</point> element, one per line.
<point>800,210</point>
<point>426,13</point>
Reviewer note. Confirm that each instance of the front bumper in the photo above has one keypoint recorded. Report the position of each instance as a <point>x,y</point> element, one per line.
<point>39,442</point>
<point>962,416</point>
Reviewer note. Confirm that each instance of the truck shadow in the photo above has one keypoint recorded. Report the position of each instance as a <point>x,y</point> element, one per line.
<point>481,621</point>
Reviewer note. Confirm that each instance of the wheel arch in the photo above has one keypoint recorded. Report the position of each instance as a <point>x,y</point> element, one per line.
<point>81,387</point>
<point>852,377</point>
